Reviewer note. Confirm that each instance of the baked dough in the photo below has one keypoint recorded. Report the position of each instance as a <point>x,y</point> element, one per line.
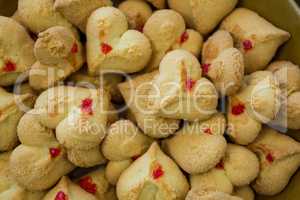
<point>223,63</point>
<point>258,102</point>
<point>111,46</point>
<point>39,15</point>
<point>255,37</point>
<point>153,175</point>
<point>279,157</point>
<point>16,51</point>
<point>137,13</point>
<point>179,91</point>
<point>203,15</point>
<point>39,150</point>
<point>12,108</point>
<point>59,53</point>
<point>78,11</point>
<point>135,92</point>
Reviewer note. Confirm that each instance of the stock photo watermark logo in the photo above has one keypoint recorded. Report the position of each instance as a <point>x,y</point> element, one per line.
<point>153,100</point>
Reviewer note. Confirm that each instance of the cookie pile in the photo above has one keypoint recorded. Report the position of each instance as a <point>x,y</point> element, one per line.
<point>138,100</point>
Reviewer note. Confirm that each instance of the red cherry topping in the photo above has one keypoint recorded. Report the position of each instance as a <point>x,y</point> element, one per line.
<point>205,68</point>
<point>189,84</point>
<point>140,28</point>
<point>247,44</point>
<point>105,48</point>
<point>87,184</point>
<point>61,196</point>
<point>184,37</point>
<point>9,66</point>
<point>220,165</point>
<point>54,152</point>
<point>86,106</point>
<point>208,131</point>
<point>238,109</point>
<point>157,172</point>
<point>270,157</point>
<point>74,48</point>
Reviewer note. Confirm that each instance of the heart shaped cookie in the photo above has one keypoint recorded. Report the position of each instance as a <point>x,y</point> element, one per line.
<point>189,148</point>
<point>42,152</point>
<point>255,37</point>
<point>111,46</point>
<point>279,157</point>
<point>166,31</point>
<point>79,116</point>
<point>155,176</point>
<point>16,51</point>
<point>257,103</point>
<point>59,53</point>
<point>239,167</point>
<point>179,91</point>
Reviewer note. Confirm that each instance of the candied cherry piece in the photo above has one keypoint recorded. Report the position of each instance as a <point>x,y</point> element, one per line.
<point>157,172</point>
<point>74,48</point>
<point>88,185</point>
<point>54,152</point>
<point>86,106</point>
<point>238,109</point>
<point>208,131</point>
<point>270,158</point>
<point>61,196</point>
<point>220,165</point>
<point>189,84</point>
<point>105,48</point>
<point>205,68</point>
<point>184,37</point>
<point>247,44</point>
<point>9,66</point>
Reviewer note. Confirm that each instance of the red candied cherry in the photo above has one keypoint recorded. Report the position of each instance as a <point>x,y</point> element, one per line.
<point>105,48</point>
<point>270,158</point>
<point>86,106</point>
<point>205,68</point>
<point>208,131</point>
<point>247,44</point>
<point>87,184</point>
<point>9,66</point>
<point>140,28</point>
<point>61,196</point>
<point>74,48</point>
<point>220,165</point>
<point>189,84</point>
<point>184,37</point>
<point>157,172</point>
<point>238,109</point>
<point>54,152</point>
